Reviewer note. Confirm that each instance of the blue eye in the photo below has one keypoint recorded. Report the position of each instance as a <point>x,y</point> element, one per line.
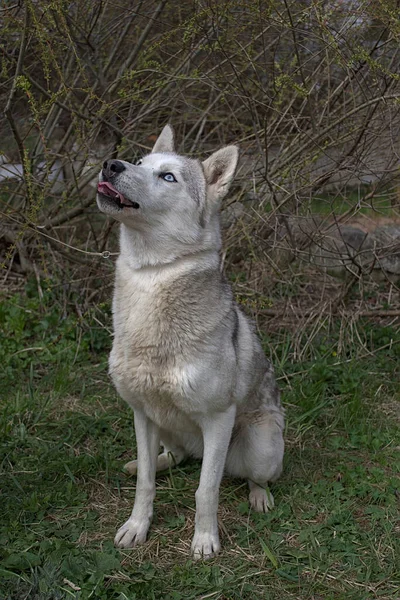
<point>168,177</point>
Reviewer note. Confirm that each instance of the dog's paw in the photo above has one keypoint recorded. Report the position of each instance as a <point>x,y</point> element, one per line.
<point>261,500</point>
<point>132,533</point>
<point>130,468</point>
<point>205,545</point>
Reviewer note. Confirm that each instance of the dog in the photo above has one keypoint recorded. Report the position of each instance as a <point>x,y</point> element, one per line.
<point>184,356</point>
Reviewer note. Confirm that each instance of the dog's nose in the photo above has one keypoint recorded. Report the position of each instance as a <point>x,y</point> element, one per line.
<point>112,168</point>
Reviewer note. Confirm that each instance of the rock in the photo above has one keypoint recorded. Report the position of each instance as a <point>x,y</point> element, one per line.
<point>386,242</point>
<point>11,171</point>
<point>231,214</point>
<point>342,250</point>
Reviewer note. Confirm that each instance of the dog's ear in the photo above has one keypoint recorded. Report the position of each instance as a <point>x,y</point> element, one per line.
<point>165,141</point>
<point>219,170</point>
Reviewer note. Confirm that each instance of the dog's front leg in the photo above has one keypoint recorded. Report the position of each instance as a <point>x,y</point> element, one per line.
<point>134,531</point>
<point>217,431</point>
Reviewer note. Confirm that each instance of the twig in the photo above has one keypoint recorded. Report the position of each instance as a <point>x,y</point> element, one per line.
<point>8,110</point>
<point>131,58</point>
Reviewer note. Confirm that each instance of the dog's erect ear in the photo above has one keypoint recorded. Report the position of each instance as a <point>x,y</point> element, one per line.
<point>165,141</point>
<point>219,170</point>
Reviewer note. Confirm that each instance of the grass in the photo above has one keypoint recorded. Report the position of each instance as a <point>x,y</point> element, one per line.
<point>334,533</point>
<point>339,203</point>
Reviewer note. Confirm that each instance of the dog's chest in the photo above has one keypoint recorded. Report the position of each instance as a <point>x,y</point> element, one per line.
<point>153,361</point>
<point>153,325</point>
<point>161,384</point>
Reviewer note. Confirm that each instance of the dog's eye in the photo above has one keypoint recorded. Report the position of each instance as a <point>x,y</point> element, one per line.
<point>139,162</point>
<point>168,177</point>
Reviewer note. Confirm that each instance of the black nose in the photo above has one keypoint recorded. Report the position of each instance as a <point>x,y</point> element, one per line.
<point>112,168</point>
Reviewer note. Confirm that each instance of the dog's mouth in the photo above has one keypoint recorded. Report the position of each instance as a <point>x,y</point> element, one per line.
<point>106,189</point>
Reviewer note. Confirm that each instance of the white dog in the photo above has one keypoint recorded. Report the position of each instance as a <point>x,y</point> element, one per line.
<point>184,356</point>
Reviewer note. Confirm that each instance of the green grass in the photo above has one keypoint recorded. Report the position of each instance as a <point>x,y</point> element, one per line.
<point>334,533</point>
<point>328,204</point>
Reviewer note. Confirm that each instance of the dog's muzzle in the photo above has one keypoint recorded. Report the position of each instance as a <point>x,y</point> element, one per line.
<point>111,169</point>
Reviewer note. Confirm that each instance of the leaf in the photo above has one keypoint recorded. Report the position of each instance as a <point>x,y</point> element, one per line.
<point>296,553</point>
<point>6,573</point>
<point>22,561</point>
<point>286,575</point>
<point>269,553</point>
<point>243,508</point>
<point>106,562</point>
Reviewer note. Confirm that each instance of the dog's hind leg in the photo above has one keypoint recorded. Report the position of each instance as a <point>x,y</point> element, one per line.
<point>256,453</point>
<point>171,456</point>
<point>168,458</point>
<point>260,497</point>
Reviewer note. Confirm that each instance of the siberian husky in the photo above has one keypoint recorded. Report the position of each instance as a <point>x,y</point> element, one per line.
<point>184,356</point>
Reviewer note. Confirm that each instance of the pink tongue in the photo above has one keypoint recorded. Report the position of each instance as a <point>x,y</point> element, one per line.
<point>108,190</point>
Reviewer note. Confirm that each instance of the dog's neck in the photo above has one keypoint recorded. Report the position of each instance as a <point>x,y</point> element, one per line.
<point>143,250</point>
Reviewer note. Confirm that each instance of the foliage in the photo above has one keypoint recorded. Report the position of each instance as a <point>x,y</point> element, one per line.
<point>309,90</point>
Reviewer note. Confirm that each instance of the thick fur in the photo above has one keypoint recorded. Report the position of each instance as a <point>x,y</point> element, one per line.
<point>184,357</point>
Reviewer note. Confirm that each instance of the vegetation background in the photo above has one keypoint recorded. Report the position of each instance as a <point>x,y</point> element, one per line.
<point>310,91</point>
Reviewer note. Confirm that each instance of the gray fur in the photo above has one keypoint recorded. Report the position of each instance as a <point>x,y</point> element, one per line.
<point>184,356</point>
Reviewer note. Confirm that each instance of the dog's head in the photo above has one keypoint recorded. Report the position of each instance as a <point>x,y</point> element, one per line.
<point>163,182</point>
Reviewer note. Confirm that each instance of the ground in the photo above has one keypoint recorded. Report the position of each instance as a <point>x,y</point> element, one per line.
<point>334,532</point>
